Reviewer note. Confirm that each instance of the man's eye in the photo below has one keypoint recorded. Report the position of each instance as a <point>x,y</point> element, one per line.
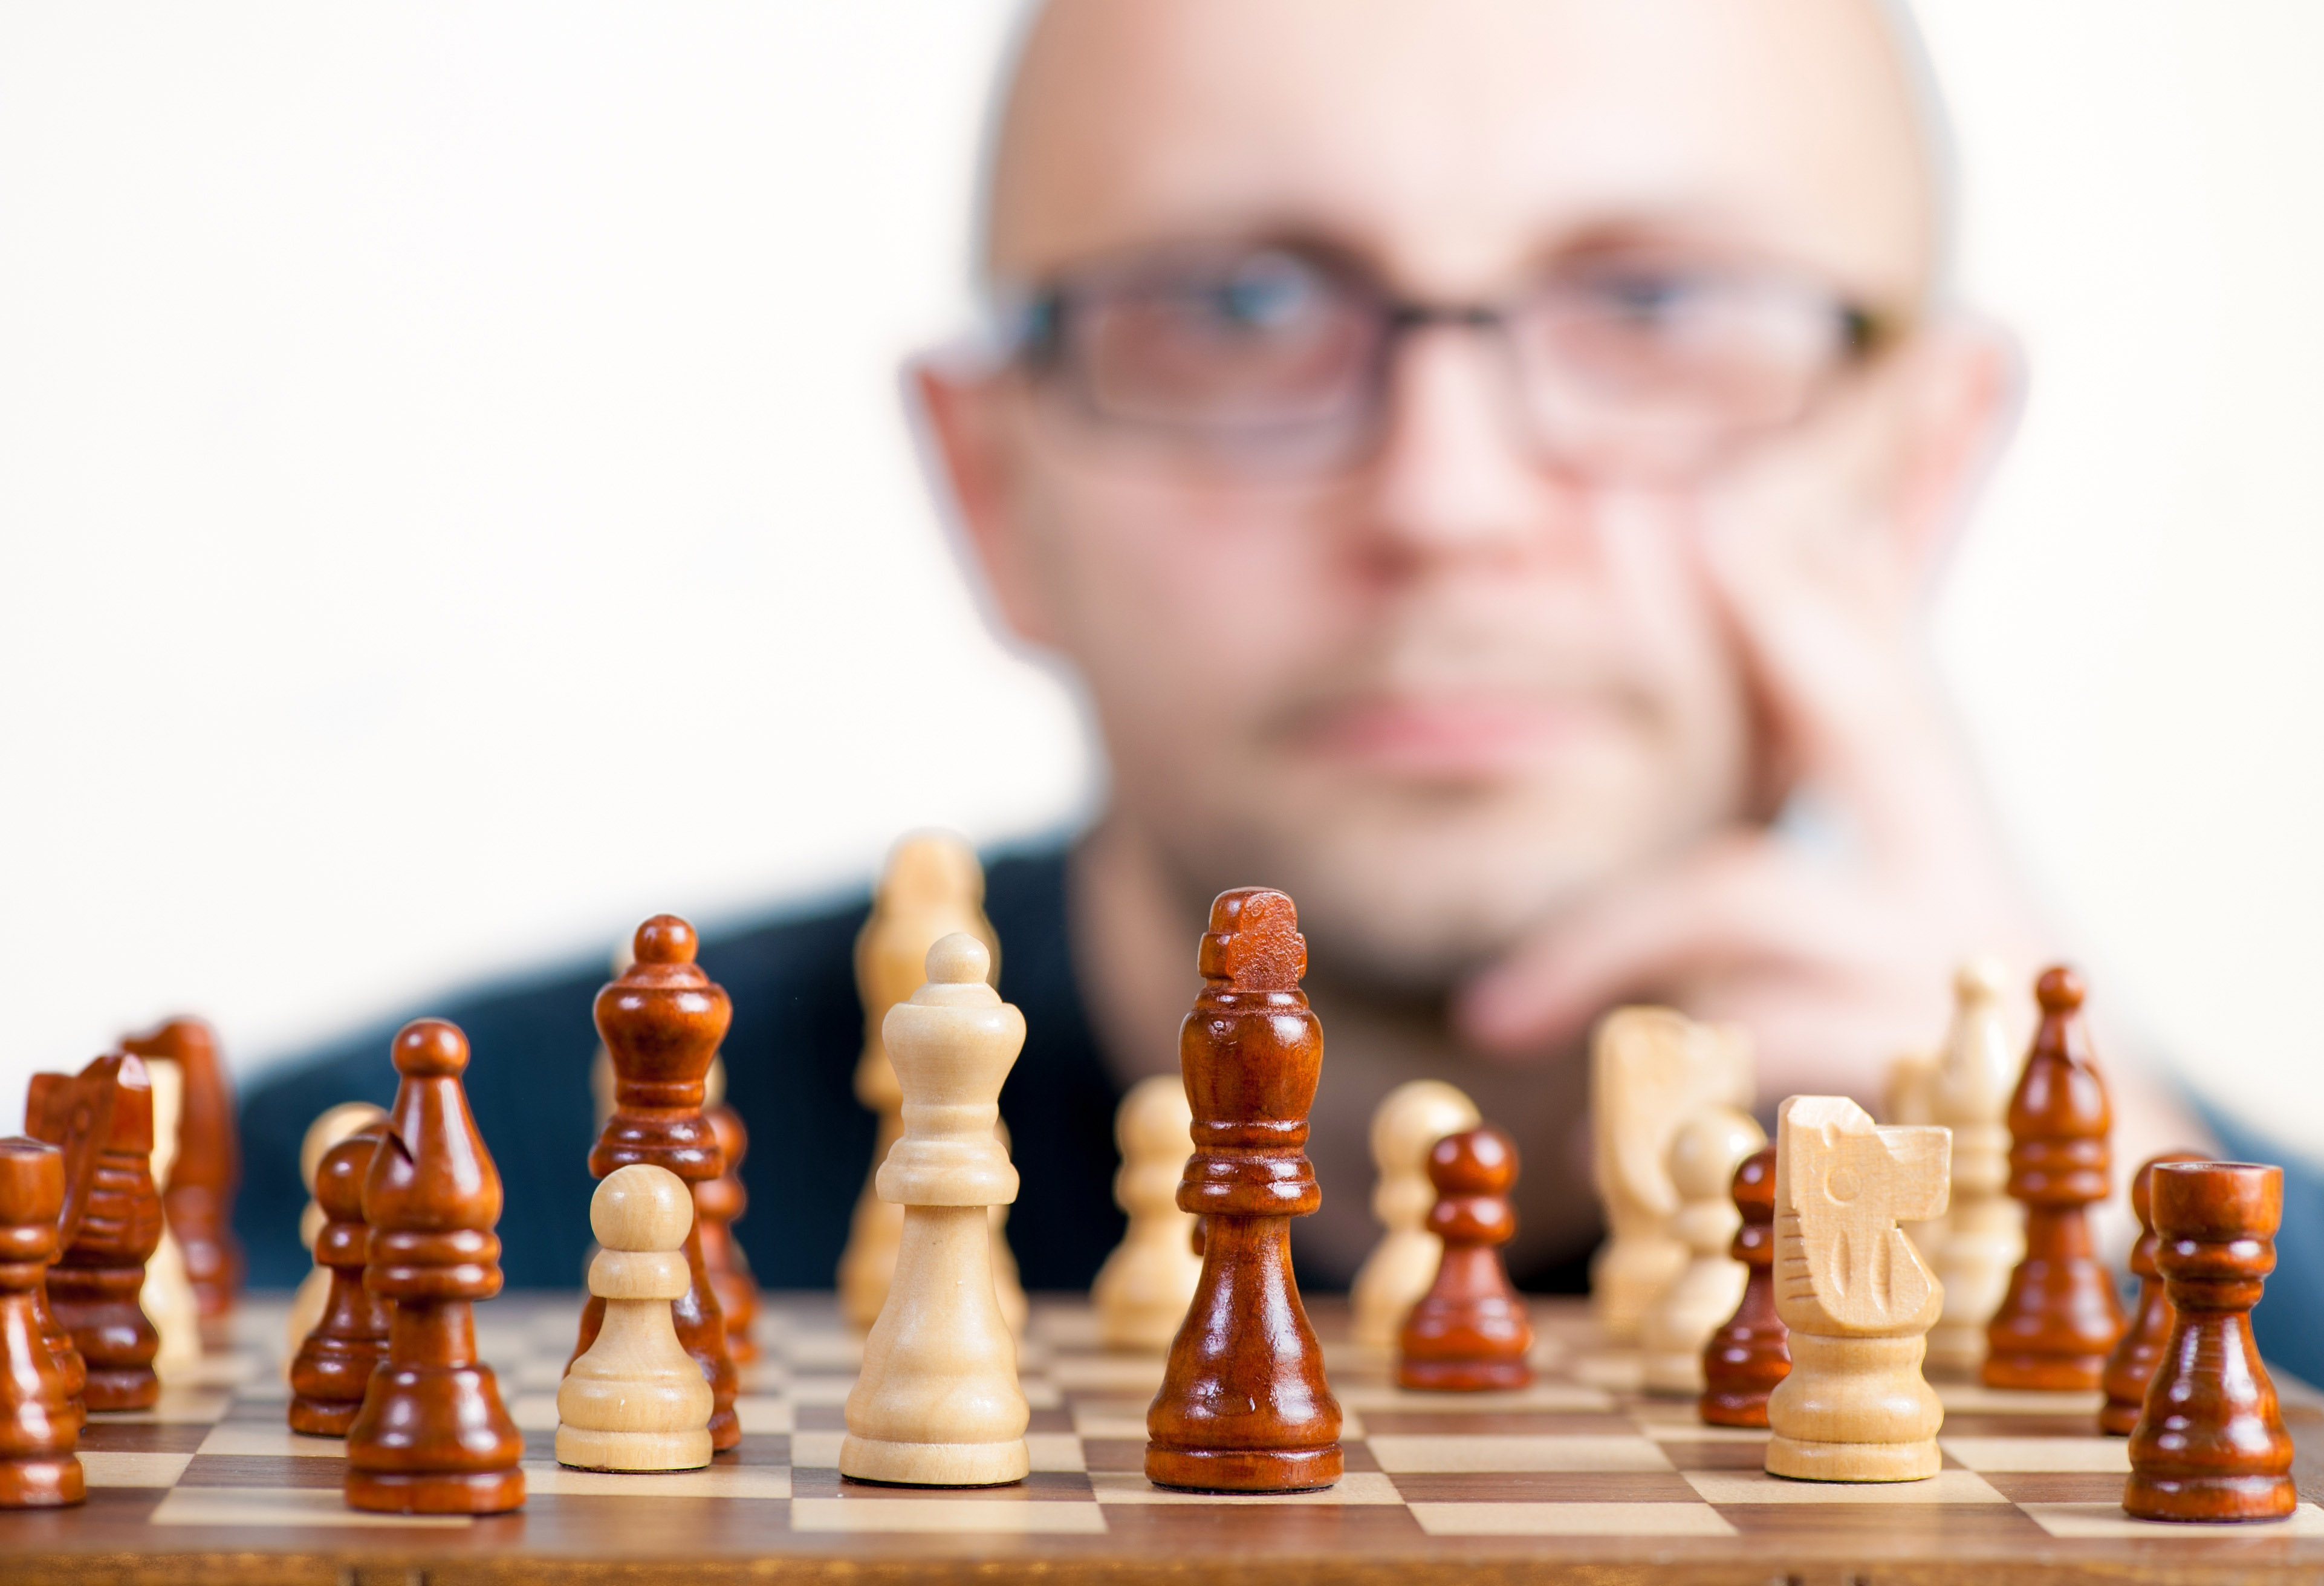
<point>1647,299</point>
<point>1266,295</point>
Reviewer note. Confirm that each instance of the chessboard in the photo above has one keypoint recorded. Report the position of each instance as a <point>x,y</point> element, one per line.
<point>1578,1475</point>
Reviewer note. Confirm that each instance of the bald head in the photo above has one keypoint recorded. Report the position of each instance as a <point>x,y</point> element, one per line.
<point>1458,143</point>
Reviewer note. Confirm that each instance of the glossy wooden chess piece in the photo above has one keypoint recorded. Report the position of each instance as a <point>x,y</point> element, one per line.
<point>1243,1406</point>
<point>635,1400</point>
<point>331,1126</point>
<point>333,1365</point>
<point>1651,1069</point>
<point>103,1118</point>
<point>1142,1292</point>
<point>662,1021</point>
<point>1702,1162</point>
<point>432,1437</point>
<point>931,887</point>
<point>2210,1444</point>
<point>1470,1331</point>
<point>197,1202</point>
<point>1748,1356</point>
<point>2132,1365</point>
<point>1406,1127</point>
<point>38,1421</point>
<point>937,1402</point>
<point>718,1204</point>
<point>2060,1320</point>
<point>1856,1294</point>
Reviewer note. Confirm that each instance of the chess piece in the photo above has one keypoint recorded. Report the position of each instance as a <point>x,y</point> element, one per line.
<point>1748,1356</point>
<point>432,1437</point>
<point>936,1404</point>
<point>1142,1292</point>
<point>333,1367</point>
<point>1909,1097</point>
<point>1855,1293</point>
<point>2210,1444</point>
<point>168,1296</point>
<point>635,1400</point>
<point>1243,1406</point>
<point>197,1200</point>
<point>1704,1295</point>
<point>932,887</point>
<point>1470,1331</point>
<point>1985,1231</point>
<point>2059,1320</point>
<point>1650,1070</point>
<point>718,1205</point>
<point>38,1421</point>
<point>2132,1365</point>
<point>1007,1288</point>
<point>662,1021</point>
<point>103,1118</point>
<point>1405,1126</point>
<point>330,1127</point>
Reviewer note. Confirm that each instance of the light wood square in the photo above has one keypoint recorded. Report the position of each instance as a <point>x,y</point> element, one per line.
<point>101,1469</point>
<point>272,1442</point>
<point>1570,1519</point>
<point>2109,1456</point>
<point>2106,1520</point>
<point>281,1506</point>
<point>1759,1487</point>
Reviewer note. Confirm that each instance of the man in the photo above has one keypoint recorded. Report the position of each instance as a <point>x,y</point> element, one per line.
<point>1485,461</point>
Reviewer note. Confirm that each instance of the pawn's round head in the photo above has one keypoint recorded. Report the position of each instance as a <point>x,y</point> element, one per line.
<point>32,1197</point>
<point>1704,1155</point>
<point>1754,1185</point>
<point>664,939</point>
<point>430,1048</point>
<point>1980,979</point>
<point>642,1207</point>
<point>1155,1118</point>
<point>339,1176</point>
<point>2060,990</point>
<point>1481,1161</point>
<point>958,960</point>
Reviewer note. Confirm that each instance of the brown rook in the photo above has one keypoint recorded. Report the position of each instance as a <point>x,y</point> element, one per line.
<point>198,1199</point>
<point>1243,1406</point>
<point>333,1365</point>
<point>2060,1320</point>
<point>432,1437</point>
<point>2132,1365</point>
<point>1470,1331</point>
<point>661,1023</point>
<point>1752,1352</point>
<point>103,1118</point>
<point>2210,1444</point>
<point>38,1421</point>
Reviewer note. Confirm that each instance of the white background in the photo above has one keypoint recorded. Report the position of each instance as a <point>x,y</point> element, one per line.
<point>453,500</point>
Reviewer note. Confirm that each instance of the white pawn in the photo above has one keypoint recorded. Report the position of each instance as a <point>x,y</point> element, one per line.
<point>1142,1292</point>
<point>167,1296</point>
<point>1855,1293</point>
<point>1702,1163</point>
<point>937,1404</point>
<point>331,1126</point>
<point>1406,1127</point>
<point>1909,1096</point>
<point>635,1400</point>
<point>1985,1235</point>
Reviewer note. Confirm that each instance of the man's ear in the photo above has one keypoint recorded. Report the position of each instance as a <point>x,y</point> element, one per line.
<point>1964,390</point>
<point>967,440</point>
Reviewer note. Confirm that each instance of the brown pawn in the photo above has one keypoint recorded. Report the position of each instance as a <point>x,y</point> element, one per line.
<point>2210,1444</point>
<point>1243,1406</point>
<point>2132,1365</point>
<point>718,1204</point>
<point>38,1421</point>
<point>198,1199</point>
<point>1752,1352</point>
<point>661,1023</point>
<point>103,1118</point>
<point>1470,1331</point>
<point>2060,1320</point>
<point>333,1365</point>
<point>432,1437</point>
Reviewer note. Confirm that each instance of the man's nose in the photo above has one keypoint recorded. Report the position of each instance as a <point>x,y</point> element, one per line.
<point>1455,478</point>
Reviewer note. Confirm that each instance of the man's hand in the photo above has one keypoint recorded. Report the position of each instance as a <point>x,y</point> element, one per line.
<point>1830,934</point>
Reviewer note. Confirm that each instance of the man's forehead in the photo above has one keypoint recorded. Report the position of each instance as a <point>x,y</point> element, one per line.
<point>1457,141</point>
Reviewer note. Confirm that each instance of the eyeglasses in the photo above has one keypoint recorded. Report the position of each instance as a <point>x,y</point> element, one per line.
<point>1279,360</point>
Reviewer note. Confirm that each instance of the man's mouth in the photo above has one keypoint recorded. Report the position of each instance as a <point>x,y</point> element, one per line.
<point>1454,736</point>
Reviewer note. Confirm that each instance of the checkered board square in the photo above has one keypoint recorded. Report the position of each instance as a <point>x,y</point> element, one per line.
<point>1580,1468</point>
